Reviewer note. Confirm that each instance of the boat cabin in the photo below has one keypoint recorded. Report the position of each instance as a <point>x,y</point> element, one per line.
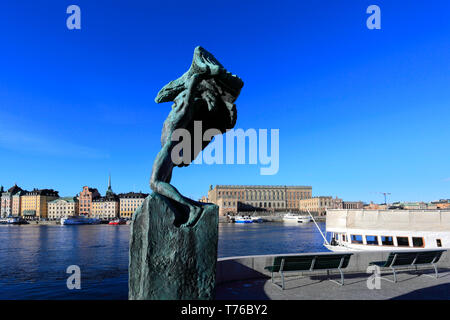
<point>387,229</point>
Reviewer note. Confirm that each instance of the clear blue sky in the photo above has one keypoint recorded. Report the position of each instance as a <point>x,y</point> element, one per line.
<point>359,111</point>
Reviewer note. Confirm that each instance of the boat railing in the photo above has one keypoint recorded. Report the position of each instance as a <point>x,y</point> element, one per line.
<point>317,226</point>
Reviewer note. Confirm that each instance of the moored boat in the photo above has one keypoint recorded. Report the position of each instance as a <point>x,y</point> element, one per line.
<point>78,220</point>
<point>295,218</point>
<point>13,220</point>
<point>243,219</point>
<point>386,230</point>
<point>117,222</point>
<point>303,219</point>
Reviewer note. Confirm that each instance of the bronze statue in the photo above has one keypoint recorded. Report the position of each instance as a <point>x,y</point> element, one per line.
<point>206,92</point>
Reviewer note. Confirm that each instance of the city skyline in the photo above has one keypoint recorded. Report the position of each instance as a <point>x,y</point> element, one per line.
<point>359,111</point>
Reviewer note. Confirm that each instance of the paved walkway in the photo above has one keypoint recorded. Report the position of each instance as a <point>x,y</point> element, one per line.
<point>409,286</point>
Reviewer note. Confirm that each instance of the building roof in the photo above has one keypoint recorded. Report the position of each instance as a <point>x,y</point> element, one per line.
<point>14,189</point>
<point>108,198</point>
<point>261,186</point>
<point>42,192</point>
<point>133,195</point>
<point>65,199</point>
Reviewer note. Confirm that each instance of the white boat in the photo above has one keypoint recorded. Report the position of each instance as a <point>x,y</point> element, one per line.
<point>295,218</point>
<point>13,220</point>
<point>355,230</point>
<point>257,219</point>
<point>243,219</point>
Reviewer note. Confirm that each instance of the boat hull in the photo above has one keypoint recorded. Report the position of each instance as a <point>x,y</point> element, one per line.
<point>78,221</point>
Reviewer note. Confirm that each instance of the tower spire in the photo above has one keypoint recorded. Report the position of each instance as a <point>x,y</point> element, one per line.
<point>109,191</point>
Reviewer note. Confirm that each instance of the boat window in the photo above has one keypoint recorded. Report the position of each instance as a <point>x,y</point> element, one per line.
<point>344,238</point>
<point>402,241</point>
<point>372,240</point>
<point>356,238</point>
<point>387,240</point>
<point>439,242</point>
<point>417,242</point>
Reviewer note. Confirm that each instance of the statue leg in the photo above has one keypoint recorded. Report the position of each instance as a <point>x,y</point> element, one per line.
<point>160,183</point>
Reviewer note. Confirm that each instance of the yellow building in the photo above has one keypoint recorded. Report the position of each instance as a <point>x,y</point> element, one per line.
<point>129,202</point>
<point>34,204</point>
<point>16,203</point>
<point>319,205</point>
<point>105,208</point>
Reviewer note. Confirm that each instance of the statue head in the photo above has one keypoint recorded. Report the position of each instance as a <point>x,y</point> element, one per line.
<point>203,63</point>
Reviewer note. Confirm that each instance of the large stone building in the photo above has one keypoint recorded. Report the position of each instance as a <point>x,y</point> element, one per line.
<point>352,204</point>
<point>62,207</point>
<point>87,195</point>
<point>234,198</point>
<point>106,207</point>
<point>6,200</point>
<point>129,202</point>
<point>319,205</point>
<point>34,204</point>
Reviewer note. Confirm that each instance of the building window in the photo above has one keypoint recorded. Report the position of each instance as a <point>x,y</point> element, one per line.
<point>402,241</point>
<point>417,242</point>
<point>356,239</point>
<point>387,241</point>
<point>439,242</point>
<point>372,240</point>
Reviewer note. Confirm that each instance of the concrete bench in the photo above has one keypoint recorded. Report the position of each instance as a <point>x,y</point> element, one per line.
<point>310,263</point>
<point>408,259</point>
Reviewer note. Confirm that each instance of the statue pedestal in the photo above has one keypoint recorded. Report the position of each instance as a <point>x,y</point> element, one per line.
<point>168,262</point>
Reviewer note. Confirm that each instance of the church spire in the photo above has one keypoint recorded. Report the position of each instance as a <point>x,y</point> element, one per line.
<point>109,191</point>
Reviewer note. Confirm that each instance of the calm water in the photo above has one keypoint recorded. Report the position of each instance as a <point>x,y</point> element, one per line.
<point>33,259</point>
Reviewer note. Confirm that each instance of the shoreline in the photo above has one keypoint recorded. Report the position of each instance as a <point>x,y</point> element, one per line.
<point>221,221</point>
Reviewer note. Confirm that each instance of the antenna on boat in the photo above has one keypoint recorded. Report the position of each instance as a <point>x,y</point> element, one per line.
<point>317,226</point>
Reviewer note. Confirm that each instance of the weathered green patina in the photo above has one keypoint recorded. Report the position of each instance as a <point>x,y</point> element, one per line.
<point>168,262</point>
<point>206,93</point>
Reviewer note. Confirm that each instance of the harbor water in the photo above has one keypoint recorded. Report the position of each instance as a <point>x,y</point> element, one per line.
<point>34,259</point>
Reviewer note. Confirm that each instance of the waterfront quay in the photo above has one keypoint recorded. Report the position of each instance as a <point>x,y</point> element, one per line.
<point>244,278</point>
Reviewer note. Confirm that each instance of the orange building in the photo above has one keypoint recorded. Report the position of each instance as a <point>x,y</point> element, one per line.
<point>85,200</point>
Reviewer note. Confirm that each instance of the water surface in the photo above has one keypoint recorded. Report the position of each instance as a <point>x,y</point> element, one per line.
<point>34,259</point>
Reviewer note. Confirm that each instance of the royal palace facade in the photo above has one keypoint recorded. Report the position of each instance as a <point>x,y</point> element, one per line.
<point>234,198</point>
